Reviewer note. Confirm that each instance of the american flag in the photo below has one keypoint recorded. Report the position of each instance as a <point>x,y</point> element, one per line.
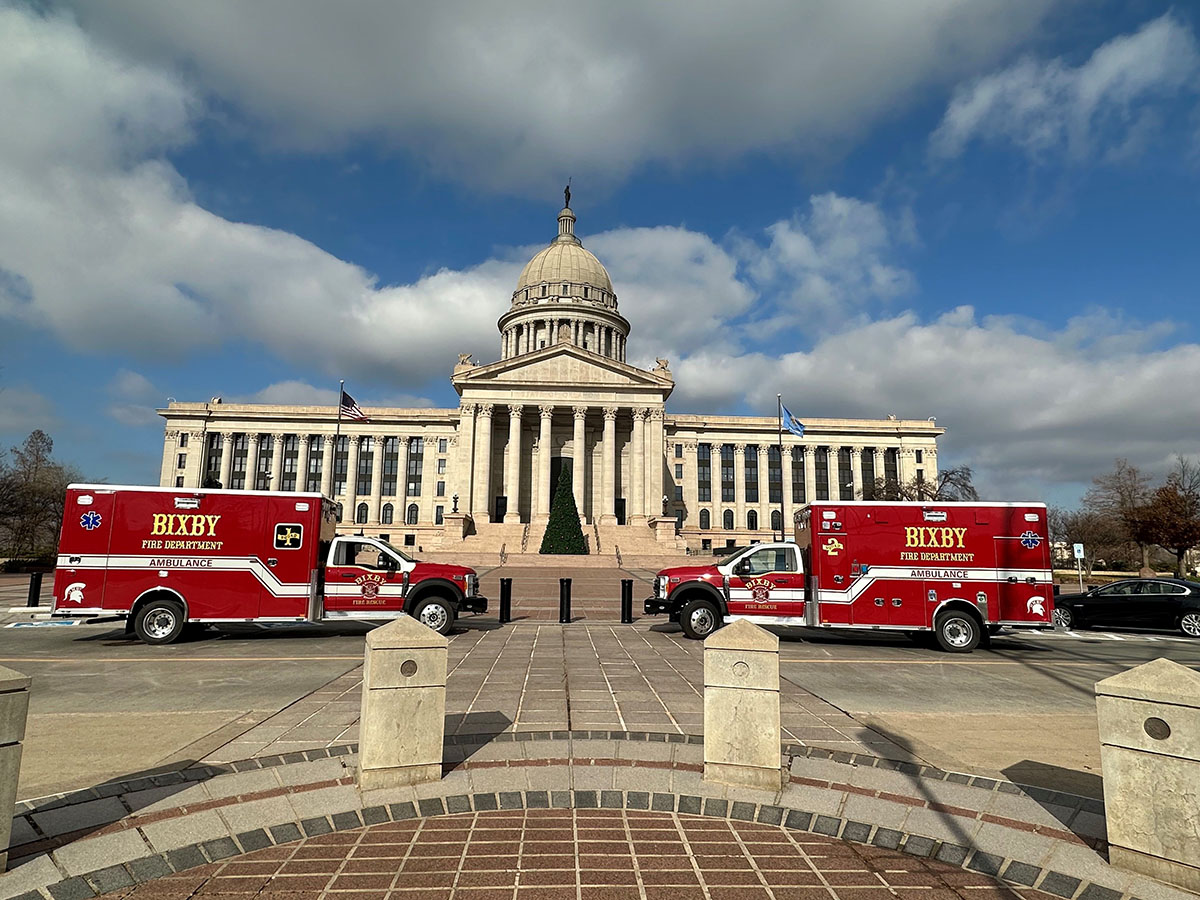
<point>350,409</point>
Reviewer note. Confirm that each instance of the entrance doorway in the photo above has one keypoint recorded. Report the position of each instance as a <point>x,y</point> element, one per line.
<point>619,509</point>
<point>501,508</point>
<point>557,464</point>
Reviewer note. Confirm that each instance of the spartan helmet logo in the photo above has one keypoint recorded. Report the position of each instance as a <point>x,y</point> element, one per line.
<point>74,592</point>
<point>1036,606</point>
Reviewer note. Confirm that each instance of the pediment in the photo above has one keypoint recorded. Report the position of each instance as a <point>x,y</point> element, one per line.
<point>557,366</point>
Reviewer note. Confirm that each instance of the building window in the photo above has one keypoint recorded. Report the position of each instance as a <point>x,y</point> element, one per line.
<point>241,451</point>
<point>544,286</point>
<point>341,459</point>
<point>262,474</point>
<point>416,462</point>
<point>727,488</point>
<point>386,514</point>
<point>845,474</point>
<point>727,520</point>
<point>410,517</point>
<point>891,466</point>
<point>183,439</point>
<point>774,476</point>
<point>585,293</point>
<point>316,462</point>
<point>920,456</point>
<point>360,514</point>
<point>410,540</point>
<point>679,492</point>
<point>678,470</point>
<point>438,515</point>
<point>752,474</point>
<point>178,481</point>
<point>441,445</point>
<point>706,544</point>
<point>291,459</point>
<point>679,451</point>
<point>441,489</point>
<point>822,467</point>
<point>869,476</point>
<point>705,520</point>
<point>366,466</point>
<point>212,465</point>
<point>798,494</point>
<point>441,467</point>
<point>752,520</point>
<point>777,520</point>
<point>181,461</point>
<point>704,472</point>
<point>391,466</point>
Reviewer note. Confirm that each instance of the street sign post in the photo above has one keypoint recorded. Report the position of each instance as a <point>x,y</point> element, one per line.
<point>1079,564</point>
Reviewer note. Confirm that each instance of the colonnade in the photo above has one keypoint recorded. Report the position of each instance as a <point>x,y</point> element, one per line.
<point>522,337</point>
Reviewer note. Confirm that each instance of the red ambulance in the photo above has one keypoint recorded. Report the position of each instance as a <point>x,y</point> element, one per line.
<point>959,571</point>
<point>163,558</point>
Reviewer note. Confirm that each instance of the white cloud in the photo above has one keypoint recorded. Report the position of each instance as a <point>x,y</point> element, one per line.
<point>301,393</point>
<point>134,399</point>
<point>1107,107</point>
<point>526,92</point>
<point>22,409</point>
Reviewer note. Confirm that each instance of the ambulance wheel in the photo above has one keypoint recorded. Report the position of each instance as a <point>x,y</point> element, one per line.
<point>160,622</point>
<point>699,619</point>
<point>435,613</point>
<point>957,632</point>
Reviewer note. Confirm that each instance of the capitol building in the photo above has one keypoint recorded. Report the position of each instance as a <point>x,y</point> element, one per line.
<point>481,476</point>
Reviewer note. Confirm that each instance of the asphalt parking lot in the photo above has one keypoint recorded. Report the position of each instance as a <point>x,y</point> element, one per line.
<point>105,705</point>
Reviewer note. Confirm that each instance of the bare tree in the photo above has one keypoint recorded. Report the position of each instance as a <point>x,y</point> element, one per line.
<point>1101,534</point>
<point>953,484</point>
<point>1173,513</point>
<point>1125,493</point>
<point>32,492</point>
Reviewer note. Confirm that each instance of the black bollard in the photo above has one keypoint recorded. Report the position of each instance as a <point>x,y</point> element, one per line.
<point>564,601</point>
<point>505,600</point>
<point>35,589</point>
<point>626,601</point>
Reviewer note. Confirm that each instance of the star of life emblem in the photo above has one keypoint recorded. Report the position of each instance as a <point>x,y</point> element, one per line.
<point>90,520</point>
<point>1030,539</point>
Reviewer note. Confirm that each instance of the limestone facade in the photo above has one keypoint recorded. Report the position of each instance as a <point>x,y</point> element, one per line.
<point>561,395</point>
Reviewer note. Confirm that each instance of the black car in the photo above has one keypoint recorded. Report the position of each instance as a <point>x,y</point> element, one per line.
<point>1138,603</point>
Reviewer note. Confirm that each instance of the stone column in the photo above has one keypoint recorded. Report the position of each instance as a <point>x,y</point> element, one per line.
<point>483,464</point>
<point>879,463</point>
<point>608,489</point>
<point>276,460</point>
<point>464,468</point>
<point>376,512</point>
<point>579,464</point>
<point>691,483</point>
<point>856,472</point>
<point>739,486</point>
<point>328,454</point>
<point>14,709</point>
<point>351,494</point>
<point>785,506</point>
<point>764,487</point>
<point>403,707</point>
<point>512,487</point>
<point>637,468</point>
<point>741,707</point>
<point>193,476</point>
<point>654,464</point>
<point>810,474</point>
<point>303,449</point>
<point>931,469</point>
<point>904,471</point>
<point>166,476</point>
<point>251,482</point>
<point>544,487</point>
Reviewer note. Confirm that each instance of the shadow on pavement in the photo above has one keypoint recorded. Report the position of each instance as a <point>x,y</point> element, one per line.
<point>1050,777</point>
<point>471,731</point>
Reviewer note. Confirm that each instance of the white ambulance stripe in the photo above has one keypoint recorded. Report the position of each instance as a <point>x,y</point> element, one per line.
<point>905,573</point>
<point>250,564</point>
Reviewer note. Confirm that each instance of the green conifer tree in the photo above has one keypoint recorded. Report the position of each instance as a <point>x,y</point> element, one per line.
<point>563,532</point>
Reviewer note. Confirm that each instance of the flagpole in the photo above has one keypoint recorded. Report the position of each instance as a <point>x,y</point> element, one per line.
<point>782,498</point>
<point>337,436</point>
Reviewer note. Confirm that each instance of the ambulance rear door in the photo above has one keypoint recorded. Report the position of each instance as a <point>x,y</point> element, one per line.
<point>81,574</point>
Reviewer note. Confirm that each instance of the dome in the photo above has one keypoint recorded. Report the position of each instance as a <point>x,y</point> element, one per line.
<point>565,262</point>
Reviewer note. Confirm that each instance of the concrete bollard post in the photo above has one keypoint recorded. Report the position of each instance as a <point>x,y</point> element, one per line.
<point>403,706</point>
<point>741,707</point>
<point>14,708</point>
<point>1149,720</point>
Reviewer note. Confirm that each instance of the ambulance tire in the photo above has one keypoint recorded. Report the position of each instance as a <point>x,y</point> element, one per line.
<point>957,631</point>
<point>160,622</point>
<point>699,618</point>
<point>435,612</point>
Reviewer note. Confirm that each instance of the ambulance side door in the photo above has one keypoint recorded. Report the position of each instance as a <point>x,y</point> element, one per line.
<point>289,560</point>
<point>767,582</point>
<point>80,578</point>
<point>1022,564</point>
<point>362,577</point>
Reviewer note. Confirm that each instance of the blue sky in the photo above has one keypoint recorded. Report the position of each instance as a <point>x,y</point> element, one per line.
<point>981,211</point>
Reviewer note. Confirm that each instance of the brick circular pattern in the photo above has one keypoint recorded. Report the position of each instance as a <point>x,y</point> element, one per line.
<point>576,854</point>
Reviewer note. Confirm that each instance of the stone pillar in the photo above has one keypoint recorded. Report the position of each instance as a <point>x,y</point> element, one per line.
<point>351,493</point>
<point>328,454</point>
<point>512,486</point>
<point>482,505</point>
<point>879,464</point>
<point>251,482</point>
<point>166,475</point>
<point>810,474</point>
<point>654,464</point>
<point>465,467</point>
<point>904,467</point>
<point>14,707</point>
<point>764,487</point>
<point>377,479</point>
<point>637,469</point>
<point>579,461</point>
<point>785,486</point>
<point>276,460</point>
<point>303,451</point>
<point>836,476</point>
<point>691,483</point>
<point>741,707</point>
<point>193,475</point>
<point>739,486</point>
<point>544,488</point>
<point>931,469</point>
<point>608,489</point>
<point>403,718</point>
<point>1149,718</point>
<point>856,473</point>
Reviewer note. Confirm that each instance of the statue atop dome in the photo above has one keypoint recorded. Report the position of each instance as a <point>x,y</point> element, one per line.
<point>567,195</point>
